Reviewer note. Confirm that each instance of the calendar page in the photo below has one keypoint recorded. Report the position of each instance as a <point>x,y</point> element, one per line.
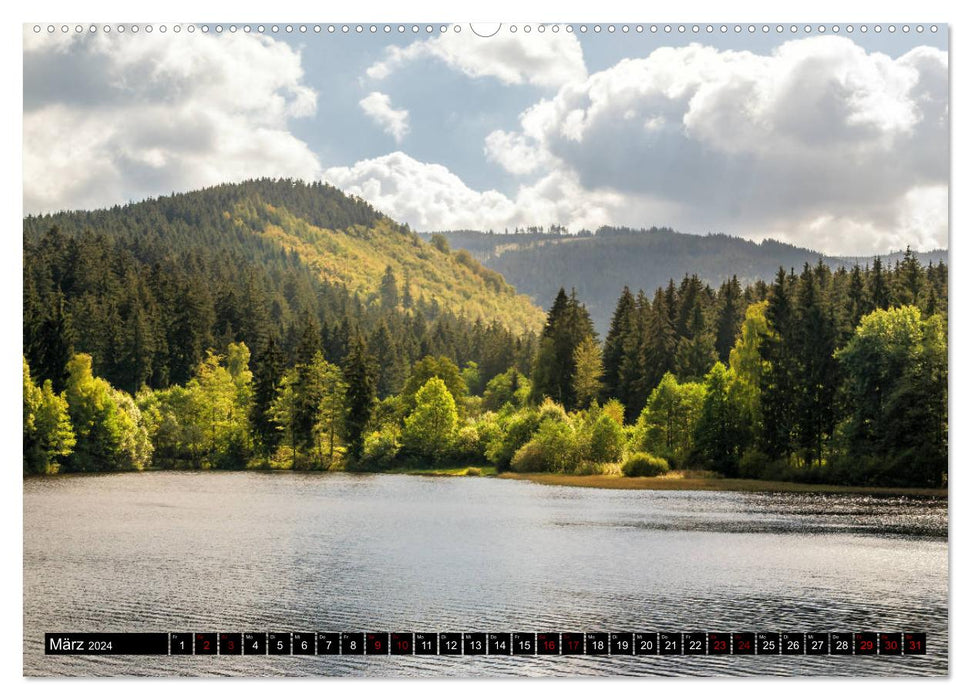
<point>424,350</point>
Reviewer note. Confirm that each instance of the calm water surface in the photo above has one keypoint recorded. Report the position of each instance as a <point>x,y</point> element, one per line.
<point>304,552</point>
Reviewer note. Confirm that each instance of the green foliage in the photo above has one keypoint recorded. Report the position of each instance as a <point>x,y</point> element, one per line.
<point>207,422</point>
<point>221,392</point>
<point>510,387</point>
<point>310,409</point>
<point>472,378</point>
<point>747,364</point>
<point>381,448</point>
<point>514,431</point>
<point>550,410</point>
<point>108,426</point>
<point>896,390</point>
<point>388,291</point>
<point>644,464</point>
<point>554,448</point>
<point>721,433</point>
<point>48,435</point>
<point>529,458</point>
<point>622,327</point>
<point>428,368</point>
<point>667,424</point>
<point>285,412</point>
<point>440,243</point>
<point>430,427</point>
<point>607,440</point>
<point>467,446</point>
<point>331,424</point>
<point>614,409</point>
<point>559,445</point>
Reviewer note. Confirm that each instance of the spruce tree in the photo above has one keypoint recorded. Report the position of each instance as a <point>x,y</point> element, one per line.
<point>388,292</point>
<point>729,319</point>
<point>621,326</point>
<point>361,377</point>
<point>779,374</point>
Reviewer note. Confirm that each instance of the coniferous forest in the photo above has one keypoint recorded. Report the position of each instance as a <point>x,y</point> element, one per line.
<point>226,329</point>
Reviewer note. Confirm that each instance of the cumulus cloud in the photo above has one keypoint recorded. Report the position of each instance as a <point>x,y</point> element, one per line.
<point>547,60</point>
<point>430,197</point>
<point>394,122</point>
<point>113,117</point>
<point>820,142</point>
<point>514,152</point>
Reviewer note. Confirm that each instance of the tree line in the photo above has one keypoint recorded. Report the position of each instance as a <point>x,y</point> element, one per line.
<point>823,375</point>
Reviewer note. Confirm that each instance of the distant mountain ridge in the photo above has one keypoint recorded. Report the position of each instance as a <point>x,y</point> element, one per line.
<point>599,265</point>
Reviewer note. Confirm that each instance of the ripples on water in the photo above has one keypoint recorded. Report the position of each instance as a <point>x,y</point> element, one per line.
<point>303,552</point>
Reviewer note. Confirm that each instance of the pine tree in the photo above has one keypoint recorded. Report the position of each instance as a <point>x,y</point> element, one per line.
<point>589,369</point>
<point>621,327</point>
<point>908,280</point>
<point>406,299</point>
<point>729,317</point>
<point>360,375</point>
<point>696,348</point>
<point>567,324</point>
<point>56,342</point>
<point>388,292</point>
<point>661,342</point>
<point>879,288</point>
<point>778,388</point>
<point>857,302</point>
<point>390,364</point>
<point>268,370</point>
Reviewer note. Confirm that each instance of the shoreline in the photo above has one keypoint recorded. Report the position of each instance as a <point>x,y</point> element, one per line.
<point>672,482</point>
<point>655,483</point>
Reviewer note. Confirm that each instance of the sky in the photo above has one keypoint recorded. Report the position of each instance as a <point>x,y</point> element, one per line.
<point>837,141</point>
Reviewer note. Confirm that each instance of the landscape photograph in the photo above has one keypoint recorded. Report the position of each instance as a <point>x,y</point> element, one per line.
<point>486,351</point>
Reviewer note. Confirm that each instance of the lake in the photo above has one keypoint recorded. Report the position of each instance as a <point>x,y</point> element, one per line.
<point>257,551</point>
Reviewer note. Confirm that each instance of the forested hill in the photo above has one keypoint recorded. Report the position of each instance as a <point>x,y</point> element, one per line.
<point>600,265</point>
<point>342,239</point>
<point>284,267</point>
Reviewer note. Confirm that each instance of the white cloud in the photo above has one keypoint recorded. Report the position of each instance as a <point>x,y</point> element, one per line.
<point>394,122</point>
<point>428,196</point>
<point>108,118</point>
<point>819,143</point>
<point>514,152</point>
<point>547,60</point>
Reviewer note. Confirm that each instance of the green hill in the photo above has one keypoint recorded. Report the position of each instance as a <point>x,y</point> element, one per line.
<point>343,239</point>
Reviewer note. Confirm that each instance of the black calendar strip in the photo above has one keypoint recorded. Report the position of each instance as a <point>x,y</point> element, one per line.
<point>488,643</point>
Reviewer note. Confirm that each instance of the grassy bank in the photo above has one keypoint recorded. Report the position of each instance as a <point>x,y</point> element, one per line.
<point>676,481</point>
